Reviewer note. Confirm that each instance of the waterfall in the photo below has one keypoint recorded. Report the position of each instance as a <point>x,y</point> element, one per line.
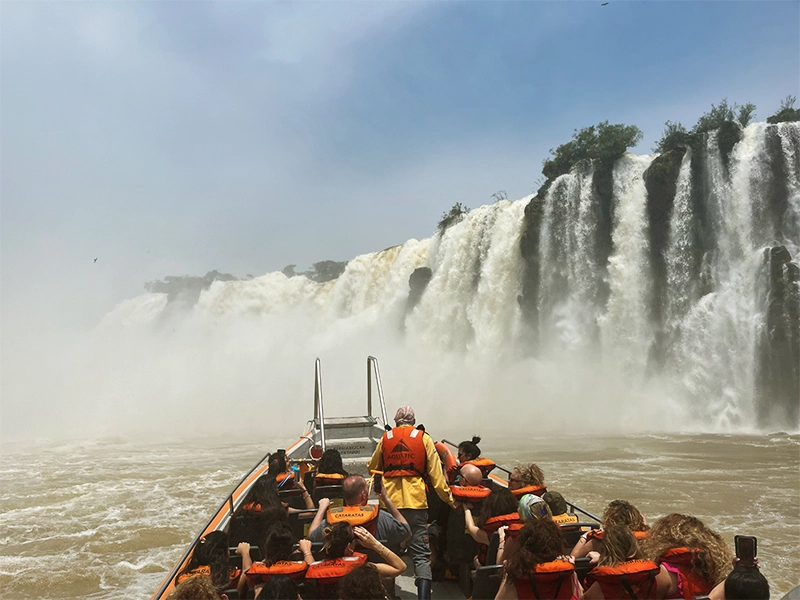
<point>681,283</point>
<point>626,330</point>
<point>726,326</point>
<point>570,276</point>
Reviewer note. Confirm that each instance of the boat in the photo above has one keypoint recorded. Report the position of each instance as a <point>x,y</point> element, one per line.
<point>356,438</point>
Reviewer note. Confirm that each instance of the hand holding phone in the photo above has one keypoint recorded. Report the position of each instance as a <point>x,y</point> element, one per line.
<point>377,482</point>
<point>746,549</point>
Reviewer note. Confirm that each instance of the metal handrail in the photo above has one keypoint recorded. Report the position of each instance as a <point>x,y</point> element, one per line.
<point>319,410</point>
<point>373,362</point>
<point>585,512</point>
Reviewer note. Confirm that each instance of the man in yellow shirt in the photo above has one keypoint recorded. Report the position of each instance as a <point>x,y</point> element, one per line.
<point>408,459</point>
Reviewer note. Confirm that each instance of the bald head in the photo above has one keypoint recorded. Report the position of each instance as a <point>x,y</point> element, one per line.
<point>472,475</point>
<point>352,488</point>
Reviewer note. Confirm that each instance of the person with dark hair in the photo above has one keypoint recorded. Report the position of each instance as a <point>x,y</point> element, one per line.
<point>499,503</point>
<point>470,454</point>
<point>387,524</point>
<point>538,557</point>
<point>279,587</point>
<point>362,583</point>
<point>330,469</point>
<point>262,495</point>
<point>284,478</point>
<point>407,457</point>
<point>210,557</point>
<point>277,549</point>
<point>743,583</point>
<point>340,558</point>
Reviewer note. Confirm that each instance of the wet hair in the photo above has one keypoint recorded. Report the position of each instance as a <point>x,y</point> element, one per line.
<point>331,462</point>
<point>470,447</point>
<point>530,474</point>
<point>337,537</point>
<point>677,531</point>
<point>212,550</point>
<point>540,541</point>
<point>622,512</point>
<point>279,543</point>
<point>264,493</point>
<point>362,583</point>
<point>199,587</point>
<point>352,487</point>
<point>746,583</point>
<point>279,587</point>
<point>500,501</point>
<point>618,546</point>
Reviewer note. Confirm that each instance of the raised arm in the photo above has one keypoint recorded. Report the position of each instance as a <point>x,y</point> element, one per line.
<point>393,566</point>
<point>243,549</point>
<point>324,503</point>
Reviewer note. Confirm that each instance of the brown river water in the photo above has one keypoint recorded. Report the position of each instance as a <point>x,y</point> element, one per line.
<point>107,518</point>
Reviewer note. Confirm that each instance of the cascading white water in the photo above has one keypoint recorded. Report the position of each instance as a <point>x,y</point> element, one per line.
<point>245,349</point>
<point>570,276</point>
<point>626,330</point>
<point>681,286</point>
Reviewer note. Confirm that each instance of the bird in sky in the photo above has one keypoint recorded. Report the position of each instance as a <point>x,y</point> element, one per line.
<point>604,4</point>
<point>95,259</point>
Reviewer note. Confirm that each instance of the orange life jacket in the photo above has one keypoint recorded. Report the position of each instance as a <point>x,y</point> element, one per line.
<point>206,570</point>
<point>449,461</point>
<point>494,523</point>
<point>365,516</point>
<point>404,452</point>
<point>328,479</point>
<point>484,464</point>
<point>635,579</point>
<point>565,519</point>
<point>548,581</point>
<point>470,493</point>
<point>261,573</point>
<point>537,490</point>
<point>330,571</point>
<point>685,560</point>
<point>511,520</point>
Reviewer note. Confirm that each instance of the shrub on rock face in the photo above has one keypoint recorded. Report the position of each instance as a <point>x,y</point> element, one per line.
<point>456,213</point>
<point>674,136</point>
<point>787,111</point>
<point>603,142</point>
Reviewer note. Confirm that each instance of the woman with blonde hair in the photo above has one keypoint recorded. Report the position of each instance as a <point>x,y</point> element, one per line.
<point>696,557</point>
<point>618,512</point>
<point>622,570</point>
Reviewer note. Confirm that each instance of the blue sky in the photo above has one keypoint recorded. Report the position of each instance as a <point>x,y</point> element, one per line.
<point>170,138</point>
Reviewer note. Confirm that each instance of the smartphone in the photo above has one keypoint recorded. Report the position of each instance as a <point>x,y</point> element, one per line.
<point>746,549</point>
<point>377,482</point>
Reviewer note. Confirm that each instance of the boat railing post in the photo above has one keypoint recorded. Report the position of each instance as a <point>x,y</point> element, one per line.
<point>379,385</point>
<point>369,386</point>
<point>319,410</point>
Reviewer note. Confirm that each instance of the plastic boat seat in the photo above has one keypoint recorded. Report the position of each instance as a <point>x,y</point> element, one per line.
<point>300,521</point>
<point>326,491</point>
<point>487,582</point>
<point>573,531</point>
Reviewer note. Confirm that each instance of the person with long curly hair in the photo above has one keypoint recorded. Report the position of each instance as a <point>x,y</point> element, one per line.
<point>704,562</point>
<point>540,542</point>
<point>618,512</point>
<point>526,479</point>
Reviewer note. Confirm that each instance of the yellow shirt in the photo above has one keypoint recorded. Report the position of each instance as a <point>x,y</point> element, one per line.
<point>409,492</point>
